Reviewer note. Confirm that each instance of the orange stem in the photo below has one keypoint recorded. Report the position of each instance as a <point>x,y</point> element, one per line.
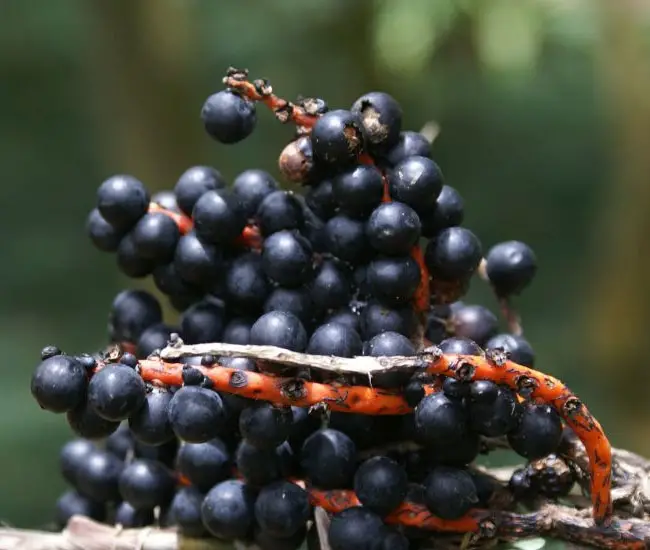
<point>250,238</point>
<point>261,91</point>
<point>283,391</point>
<point>555,393</point>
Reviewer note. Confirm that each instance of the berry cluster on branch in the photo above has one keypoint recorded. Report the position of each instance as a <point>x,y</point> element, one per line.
<point>322,359</point>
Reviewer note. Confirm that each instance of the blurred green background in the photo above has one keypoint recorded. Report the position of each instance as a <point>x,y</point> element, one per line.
<point>544,107</point>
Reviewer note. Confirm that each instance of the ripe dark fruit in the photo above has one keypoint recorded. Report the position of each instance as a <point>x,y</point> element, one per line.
<point>380,484</point>
<point>72,503</point>
<point>197,262</point>
<point>381,117</point>
<point>105,236</point>
<point>129,517</point>
<point>265,426</point>
<point>448,211</point>
<point>539,432</point>
<point>510,267</point>
<point>228,117</point>
<point>203,322</point>
<point>516,347</point>
<point>72,456</point>
<point>493,410</point>
<point>346,239</point>
<point>98,476</point>
<point>328,459</point>
<point>338,137</point>
<point>279,210</point>
<point>228,510</point>
<point>145,484</point>
<point>281,329</point>
<point>393,280</point>
<point>218,217</point>
<point>449,492</point>
<point>358,191</point>
<point>185,511</point>
<point>155,237</point>
<point>204,464</point>
<point>122,201</point>
<point>59,384</point>
<point>196,414</point>
<point>474,322</point>
<point>131,313</point>
<point>387,344</point>
<point>116,392</point>
<point>193,183</point>
<point>334,339</point>
<point>454,254</point>
<point>408,144</point>
<point>393,228</point>
<point>356,529</point>
<point>416,181</point>
<point>251,187</point>
<point>86,423</point>
<point>150,423</point>
<point>282,509</point>
<point>287,258</point>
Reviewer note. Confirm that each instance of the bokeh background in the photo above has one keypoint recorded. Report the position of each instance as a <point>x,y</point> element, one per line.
<point>544,107</point>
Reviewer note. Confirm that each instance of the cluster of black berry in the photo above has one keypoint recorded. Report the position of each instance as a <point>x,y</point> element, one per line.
<point>337,272</point>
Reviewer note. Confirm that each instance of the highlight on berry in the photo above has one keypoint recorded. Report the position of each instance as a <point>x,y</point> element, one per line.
<point>325,382</point>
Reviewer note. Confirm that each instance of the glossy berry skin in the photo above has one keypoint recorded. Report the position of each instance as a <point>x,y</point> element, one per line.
<point>169,282</point>
<point>455,389</point>
<point>228,117</point>
<point>346,239</point>
<point>86,423</point>
<point>282,509</point>
<point>393,280</point>
<point>337,138</point>
<point>72,455</point>
<point>131,313</point>
<point>516,347</point>
<point>381,117</point>
<point>442,425</point>
<point>130,262</point>
<point>204,464</point>
<point>251,187</point>
<point>460,346</point>
<point>416,181</point>
<point>493,410</point>
<point>150,423</point>
<point>72,503</point>
<point>281,329</point>
<point>328,459</point>
<point>98,476</point>
<point>145,484</point>
<point>474,322</point>
<point>408,144</point>
<point>454,254</point>
<point>59,384</point>
<point>185,512</point>
<point>287,258</point>
<point>334,339</point>
<point>237,331</point>
<point>228,510</point>
<point>380,484</point>
<point>167,200</point>
<point>129,517</point>
<point>292,300</point>
<point>521,484</point>
<point>448,211</point>
<point>377,318</point>
<point>345,317</point>
<point>279,210</point>
<point>265,541</point>
<point>247,286</point>
<point>103,235</point>
<point>156,337</point>
<point>387,344</point>
<point>265,426</point>
<point>218,217</point>
<point>116,392</point>
<point>510,267</point>
<point>196,414</point>
<point>449,492</point>
<point>358,191</point>
<point>539,432</point>
<point>193,183</point>
<point>155,237</point>
<point>331,286</point>
<point>122,200</point>
<point>320,198</point>
<point>260,467</point>
<point>198,262</point>
<point>356,528</point>
<point>393,228</point>
<point>203,322</point>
